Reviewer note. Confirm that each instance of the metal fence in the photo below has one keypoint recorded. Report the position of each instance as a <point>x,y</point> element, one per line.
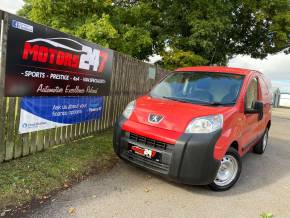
<point>130,79</point>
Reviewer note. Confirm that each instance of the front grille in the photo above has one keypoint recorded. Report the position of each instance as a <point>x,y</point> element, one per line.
<point>150,142</point>
<point>151,164</point>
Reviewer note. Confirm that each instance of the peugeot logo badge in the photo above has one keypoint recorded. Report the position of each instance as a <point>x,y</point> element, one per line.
<point>153,118</point>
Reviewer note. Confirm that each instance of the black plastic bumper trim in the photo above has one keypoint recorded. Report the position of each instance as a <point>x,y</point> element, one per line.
<point>191,161</point>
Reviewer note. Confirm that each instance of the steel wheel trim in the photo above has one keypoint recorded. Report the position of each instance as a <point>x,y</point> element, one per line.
<point>228,171</point>
<point>265,140</point>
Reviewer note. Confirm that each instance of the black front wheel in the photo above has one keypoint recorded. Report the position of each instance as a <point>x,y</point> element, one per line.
<point>229,171</point>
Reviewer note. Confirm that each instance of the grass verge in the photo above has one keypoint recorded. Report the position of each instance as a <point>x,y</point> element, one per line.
<point>32,177</point>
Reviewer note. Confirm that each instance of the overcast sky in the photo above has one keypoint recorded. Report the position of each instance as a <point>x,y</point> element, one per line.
<point>11,5</point>
<point>276,67</point>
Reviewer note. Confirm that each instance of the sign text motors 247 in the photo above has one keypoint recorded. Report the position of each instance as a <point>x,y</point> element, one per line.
<point>44,62</point>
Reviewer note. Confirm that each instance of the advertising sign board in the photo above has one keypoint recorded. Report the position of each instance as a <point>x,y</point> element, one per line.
<point>40,113</point>
<point>42,61</point>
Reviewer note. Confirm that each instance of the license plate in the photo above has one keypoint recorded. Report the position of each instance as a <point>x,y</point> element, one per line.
<point>149,153</point>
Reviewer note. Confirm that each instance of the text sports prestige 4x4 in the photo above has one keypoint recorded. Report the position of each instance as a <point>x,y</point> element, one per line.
<point>196,124</point>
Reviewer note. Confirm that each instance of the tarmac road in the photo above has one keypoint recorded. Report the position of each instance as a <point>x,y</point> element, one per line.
<point>126,191</point>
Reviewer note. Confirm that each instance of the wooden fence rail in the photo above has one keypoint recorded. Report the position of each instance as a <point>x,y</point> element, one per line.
<point>129,80</point>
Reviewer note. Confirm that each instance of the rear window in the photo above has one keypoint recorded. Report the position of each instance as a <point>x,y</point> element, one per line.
<point>200,87</point>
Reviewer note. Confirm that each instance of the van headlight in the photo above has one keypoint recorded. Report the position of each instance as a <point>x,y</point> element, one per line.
<point>129,109</point>
<point>206,124</point>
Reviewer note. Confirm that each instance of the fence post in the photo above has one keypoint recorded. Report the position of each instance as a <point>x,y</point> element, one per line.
<point>3,41</point>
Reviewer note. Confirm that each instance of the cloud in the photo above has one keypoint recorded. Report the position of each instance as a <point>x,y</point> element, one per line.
<point>275,67</point>
<point>11,6</point>
<point>154,58</point>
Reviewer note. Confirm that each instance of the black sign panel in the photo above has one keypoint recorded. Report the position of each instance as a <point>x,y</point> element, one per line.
<point>44,62</point>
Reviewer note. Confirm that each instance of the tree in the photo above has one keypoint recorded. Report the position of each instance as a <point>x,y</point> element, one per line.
<point>183,32</point>
<point>217,30</point>
<point>95,20</point>
<point>175,58</point>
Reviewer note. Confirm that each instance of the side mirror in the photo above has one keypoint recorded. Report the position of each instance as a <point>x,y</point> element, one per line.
<point>258,109</point>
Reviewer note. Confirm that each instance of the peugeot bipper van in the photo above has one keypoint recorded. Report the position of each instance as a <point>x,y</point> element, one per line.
<point>196,124</point>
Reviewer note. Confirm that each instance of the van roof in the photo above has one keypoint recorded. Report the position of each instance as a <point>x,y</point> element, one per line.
<point>220,69</point>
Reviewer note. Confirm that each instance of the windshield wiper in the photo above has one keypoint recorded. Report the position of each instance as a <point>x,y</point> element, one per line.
<point>214,103</point>
<point>177,99</point>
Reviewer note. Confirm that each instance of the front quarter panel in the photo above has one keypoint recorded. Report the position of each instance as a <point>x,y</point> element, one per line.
<point>233,123</point>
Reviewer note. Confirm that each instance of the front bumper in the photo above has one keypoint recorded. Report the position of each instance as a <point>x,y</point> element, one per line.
<point>189,161</point>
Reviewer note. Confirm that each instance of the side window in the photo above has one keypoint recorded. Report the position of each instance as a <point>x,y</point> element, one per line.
<point>264,86</point>
<point>252,94</point>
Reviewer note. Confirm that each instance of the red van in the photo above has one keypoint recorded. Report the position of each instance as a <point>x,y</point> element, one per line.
<point>196,124</point>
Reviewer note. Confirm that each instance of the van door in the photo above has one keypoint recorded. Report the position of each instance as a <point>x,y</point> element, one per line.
<point>266,99</point>
<point>251,127</point>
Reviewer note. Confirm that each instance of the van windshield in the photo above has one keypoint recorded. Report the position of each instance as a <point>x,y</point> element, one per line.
<point>200,88</point>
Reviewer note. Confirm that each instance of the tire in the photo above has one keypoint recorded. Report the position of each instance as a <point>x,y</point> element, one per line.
<point>262,144</point>
<point>229,171</point>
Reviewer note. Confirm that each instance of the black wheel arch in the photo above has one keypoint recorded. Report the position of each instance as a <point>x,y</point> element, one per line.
<point>235,145</point>
<point>269,124</point>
